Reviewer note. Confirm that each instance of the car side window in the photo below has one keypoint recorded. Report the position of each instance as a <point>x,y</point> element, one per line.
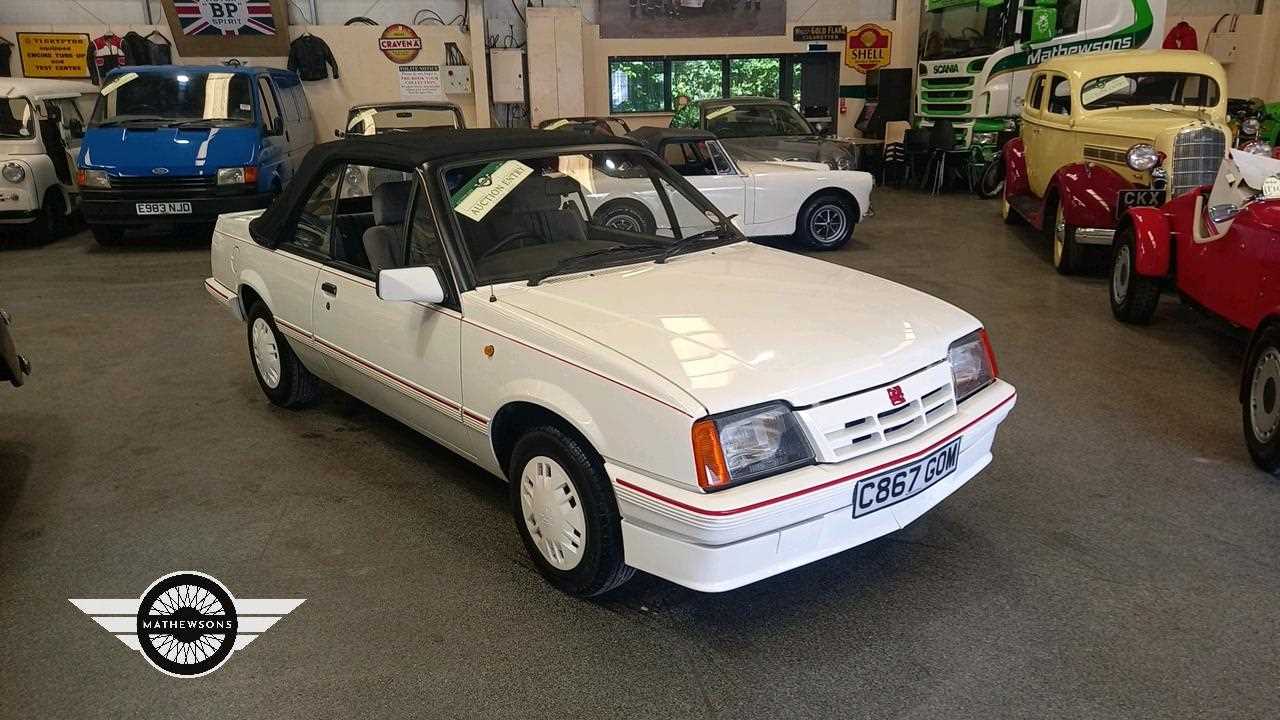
<point>270,106</point>
<point>369,221</point>
<point>719,160</point>
<point>1059,96</point>
<point>687,158</point>
<point>1035,98</point>
<point>311,232</point>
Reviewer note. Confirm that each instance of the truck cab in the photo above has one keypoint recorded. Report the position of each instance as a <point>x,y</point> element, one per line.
<point>180,145</point>
<point>976,56</point>
<point>41,126</point>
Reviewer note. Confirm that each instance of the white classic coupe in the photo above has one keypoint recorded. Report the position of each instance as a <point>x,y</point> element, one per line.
<point>671,401</point>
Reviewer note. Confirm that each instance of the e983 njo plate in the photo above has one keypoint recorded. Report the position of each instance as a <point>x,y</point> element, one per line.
<point>880,491</point>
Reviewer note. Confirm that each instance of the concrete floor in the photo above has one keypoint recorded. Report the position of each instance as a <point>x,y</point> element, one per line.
<point>1119,558</point>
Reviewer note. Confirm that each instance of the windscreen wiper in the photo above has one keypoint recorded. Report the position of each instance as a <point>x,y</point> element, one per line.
<point>128,120</point>
<point>721,230</point>
<point>196,122</point>
<point>563,265</point>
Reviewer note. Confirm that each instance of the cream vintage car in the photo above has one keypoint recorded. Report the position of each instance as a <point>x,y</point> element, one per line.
<point>672,401</point>
<point>1105,132</point>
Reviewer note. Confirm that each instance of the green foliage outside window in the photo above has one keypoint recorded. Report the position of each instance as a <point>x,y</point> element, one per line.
<point>755,76</point>
<point>653,85</point>
<point>636,85</point>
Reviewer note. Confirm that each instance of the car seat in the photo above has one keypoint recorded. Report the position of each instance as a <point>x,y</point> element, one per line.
<point>384,243</point>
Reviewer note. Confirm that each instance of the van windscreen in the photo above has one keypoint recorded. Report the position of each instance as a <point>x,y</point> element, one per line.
<point>185,98</point>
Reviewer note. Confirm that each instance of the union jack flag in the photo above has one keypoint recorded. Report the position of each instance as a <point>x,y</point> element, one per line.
<point>224,17</point>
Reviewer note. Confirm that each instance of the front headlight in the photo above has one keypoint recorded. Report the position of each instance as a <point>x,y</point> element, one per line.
<point>13,172</point>
<point>973,363</point>
<point>985,138</point>
<point>237,175</point>
<point>744,445</point>
<point>1250,126</point>
<point>1257,147</point>
<point>1142,157</point>
<point>93,179</point>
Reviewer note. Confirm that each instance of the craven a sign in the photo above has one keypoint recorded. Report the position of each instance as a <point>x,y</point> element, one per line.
<point>868,47</point>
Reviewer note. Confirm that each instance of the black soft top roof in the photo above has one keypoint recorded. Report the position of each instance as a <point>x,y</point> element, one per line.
<point>406,151</point>
<point>652,137</point>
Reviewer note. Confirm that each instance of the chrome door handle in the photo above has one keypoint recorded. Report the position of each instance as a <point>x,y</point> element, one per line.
<point>329,288</point>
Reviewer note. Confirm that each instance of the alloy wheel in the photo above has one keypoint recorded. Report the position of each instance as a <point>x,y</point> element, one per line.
<point>625,223</point>
<point>828,223</point>
<point>552,512</point>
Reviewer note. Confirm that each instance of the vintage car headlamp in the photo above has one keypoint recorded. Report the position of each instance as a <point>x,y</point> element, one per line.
<point>1250,126</point>
<point>13,172</point>
<point>1257,147</point>
<point>973,364</point>
<point>986,138</point>
<point>93,179</point>
<point>1142,157</point>
<point>238,175</point>
<point>744,445</point>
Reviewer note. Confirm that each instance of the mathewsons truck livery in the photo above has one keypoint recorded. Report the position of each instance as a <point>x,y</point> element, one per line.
<point>976,56</point>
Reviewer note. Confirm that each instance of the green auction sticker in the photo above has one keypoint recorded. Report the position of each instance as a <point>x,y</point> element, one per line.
<point>483,192</point>
<point>719,111</point>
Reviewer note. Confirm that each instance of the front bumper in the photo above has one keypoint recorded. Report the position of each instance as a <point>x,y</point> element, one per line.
<point>719,541</point>
<point>106,208</point>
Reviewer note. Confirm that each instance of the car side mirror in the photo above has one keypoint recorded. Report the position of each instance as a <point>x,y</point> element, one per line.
<point>76,128</point>
<point>1222,213</point>
<point>411,284</point>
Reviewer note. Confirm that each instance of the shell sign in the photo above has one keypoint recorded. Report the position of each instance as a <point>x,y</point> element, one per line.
<point>400,43</point>
<point>868,47</point>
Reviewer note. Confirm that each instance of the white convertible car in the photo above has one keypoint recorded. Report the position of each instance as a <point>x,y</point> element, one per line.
<point>670,401</point>
<point>815,204</point>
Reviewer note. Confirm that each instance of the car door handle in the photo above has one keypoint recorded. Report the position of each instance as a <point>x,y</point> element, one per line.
<point>329,288</point>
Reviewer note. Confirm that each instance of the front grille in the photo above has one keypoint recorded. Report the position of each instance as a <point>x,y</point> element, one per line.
<point>946,96</point>
<point>868,421</point>
<point>159,188</point>
<point>1197,153</point>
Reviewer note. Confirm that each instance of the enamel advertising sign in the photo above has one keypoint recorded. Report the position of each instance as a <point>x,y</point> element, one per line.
<point>868,47</point>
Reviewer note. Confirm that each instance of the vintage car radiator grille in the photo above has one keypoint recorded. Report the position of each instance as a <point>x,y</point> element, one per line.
<point>867,421</point>
<point>1197,152</point>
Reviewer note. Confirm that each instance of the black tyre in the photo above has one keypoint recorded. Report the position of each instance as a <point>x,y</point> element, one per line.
<point>107,235</point>
<point>51,221</point>
<point>566,513</point>
<point>282,377</point>
<point>1260,396</point>
<point>826,222</point>
<point>628,216</point>
<point>1066,253</point>
<point>991,182</point>
<point>1133,297</point>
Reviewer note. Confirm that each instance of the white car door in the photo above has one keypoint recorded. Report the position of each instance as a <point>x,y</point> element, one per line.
<point>400,357</point>
<point>707,167</point>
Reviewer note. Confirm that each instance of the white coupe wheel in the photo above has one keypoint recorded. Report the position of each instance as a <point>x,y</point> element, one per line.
<point>552,512</point>
<point>826,222</point>
<point>266,354</point>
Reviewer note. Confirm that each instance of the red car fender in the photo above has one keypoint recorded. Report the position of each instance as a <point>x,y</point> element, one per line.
<point>1088,194</point>
<point>1015,169</point>
<point>1152,241</point>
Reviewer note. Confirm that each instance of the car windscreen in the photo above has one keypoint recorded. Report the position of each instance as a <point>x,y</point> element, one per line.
<point>16,118</point>
<point>1149,88</point>
<point>372,121</point>
<point>523,218</point>
<point>188,98</point>
<point>735,121</point>
<point>964,29</point>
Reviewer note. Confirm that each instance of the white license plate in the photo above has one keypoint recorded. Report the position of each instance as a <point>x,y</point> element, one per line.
<point>163,208</point>
<point>881,491</point>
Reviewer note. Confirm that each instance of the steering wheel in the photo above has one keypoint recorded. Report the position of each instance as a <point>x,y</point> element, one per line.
<point>521,235</point>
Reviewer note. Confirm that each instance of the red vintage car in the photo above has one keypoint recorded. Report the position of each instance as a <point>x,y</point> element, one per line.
<point>1219,247</point>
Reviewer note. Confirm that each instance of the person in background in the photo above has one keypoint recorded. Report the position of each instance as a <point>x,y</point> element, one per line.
<point>682,101</point>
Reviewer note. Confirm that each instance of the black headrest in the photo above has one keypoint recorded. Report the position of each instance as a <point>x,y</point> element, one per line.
<point>391,202</point>
<point>539,193</point>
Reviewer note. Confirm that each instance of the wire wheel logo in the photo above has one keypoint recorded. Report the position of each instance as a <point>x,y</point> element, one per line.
<point>187,624</point>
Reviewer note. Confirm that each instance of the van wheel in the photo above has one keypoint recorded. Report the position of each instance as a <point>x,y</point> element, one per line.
<point>1261,396</point>
<point>566,513</point>
<point>826,222</point>
<point>281,375</point>
<point>48,224</point>
<point>1066,254</point>
<point>107,235</point>
<point>1133,297</point>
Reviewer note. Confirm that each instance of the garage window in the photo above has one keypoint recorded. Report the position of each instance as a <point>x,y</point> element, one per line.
<point>637,86</point>
<point>755,76</point>
<point>645,84</point>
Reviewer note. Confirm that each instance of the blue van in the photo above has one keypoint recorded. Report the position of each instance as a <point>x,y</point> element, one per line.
<point>180,145</point>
